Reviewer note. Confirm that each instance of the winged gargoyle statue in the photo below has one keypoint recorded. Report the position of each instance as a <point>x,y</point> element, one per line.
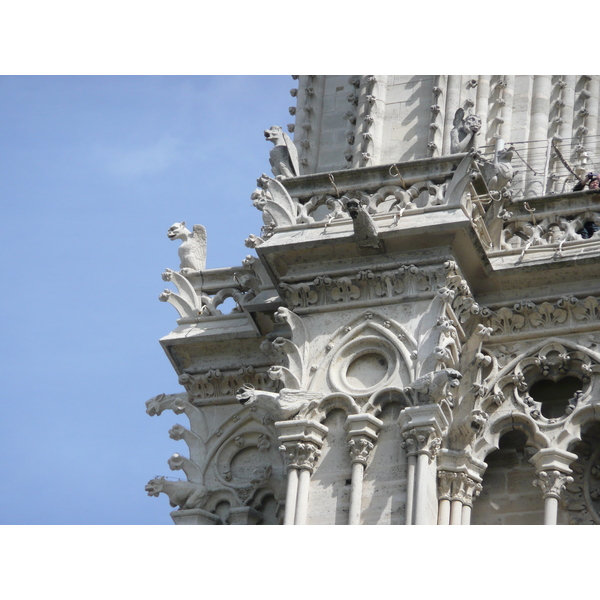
<point>284,156</point>
<point>192,252</point>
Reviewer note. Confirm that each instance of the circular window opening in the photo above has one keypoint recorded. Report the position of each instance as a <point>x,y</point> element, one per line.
<point>367,370</point>
<point>554,396</point>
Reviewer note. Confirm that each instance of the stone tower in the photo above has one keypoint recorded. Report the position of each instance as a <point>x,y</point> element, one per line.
<point>416,340</point>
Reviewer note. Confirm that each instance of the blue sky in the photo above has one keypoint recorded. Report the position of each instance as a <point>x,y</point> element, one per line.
<point>93,170</point>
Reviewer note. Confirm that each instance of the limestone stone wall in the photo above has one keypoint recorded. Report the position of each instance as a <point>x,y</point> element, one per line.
<point>344,122</point>
<point>417,340</point>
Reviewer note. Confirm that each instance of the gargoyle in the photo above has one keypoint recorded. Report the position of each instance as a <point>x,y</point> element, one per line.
<point>498,173</point>
<point>278,208</point>
<point>365,228</point>
<point>281,407</point>
<point>184,494</point>
<point>462,136</point>
<point>192,252</point>
<point>284,156</point>
<point>431,386</point>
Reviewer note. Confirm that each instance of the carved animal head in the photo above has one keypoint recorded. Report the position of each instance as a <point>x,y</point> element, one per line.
<point>177,231</point>
<point>260,474</point>
<point>477,419</point>
<point>472,123</point>
<point>275,134</point>
<point>153,407</point>
<point>276,373</point>
<point>454,377</point>
<point>245,394</point>
<point>154,486</point>
<point>353,206</point>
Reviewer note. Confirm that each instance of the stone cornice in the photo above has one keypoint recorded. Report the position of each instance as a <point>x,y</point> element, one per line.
<point>372,177</point>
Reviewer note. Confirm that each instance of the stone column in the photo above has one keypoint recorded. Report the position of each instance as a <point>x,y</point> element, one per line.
<point>421,427</point>
<point>445,496</point>
<point>473,489</point>
<point>409,445</point>
<point>553,473</point>
<point>451,106</point>
<point>482,105</point>
<point>538,132</point>
<point>300,442</point>
<point>362,435</point>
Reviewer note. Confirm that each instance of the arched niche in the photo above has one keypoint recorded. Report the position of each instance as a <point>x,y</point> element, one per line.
<point>329,496</point>
<point>508,496</point>
<point>384,484</point>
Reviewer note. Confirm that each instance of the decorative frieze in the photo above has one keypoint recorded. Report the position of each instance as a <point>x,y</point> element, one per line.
<point>407,280</point>
<point>566,312</point>
<point>215,383</point>
<point>364,285</point>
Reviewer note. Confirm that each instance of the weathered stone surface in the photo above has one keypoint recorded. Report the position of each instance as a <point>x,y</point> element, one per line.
<point>423,264</point>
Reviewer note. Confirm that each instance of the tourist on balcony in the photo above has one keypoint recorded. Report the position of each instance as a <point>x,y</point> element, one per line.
<point>591,180</point>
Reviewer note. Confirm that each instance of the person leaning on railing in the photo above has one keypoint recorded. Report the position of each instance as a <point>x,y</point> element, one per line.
<point>592,181</point>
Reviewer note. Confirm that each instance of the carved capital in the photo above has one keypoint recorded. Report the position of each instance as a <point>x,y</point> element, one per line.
<point>360,448</point>
<point>300,455</point>
<point>552,483</point>
<point>458,486</point>
<point>445,485</point>
<point>472,491</point>
<point>421,440</point>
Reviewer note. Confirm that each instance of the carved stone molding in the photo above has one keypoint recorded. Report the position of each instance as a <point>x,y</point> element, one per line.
<point>403,281</point>
<point>364,285</point>
<point>217,384</point>
<point>568,311</point>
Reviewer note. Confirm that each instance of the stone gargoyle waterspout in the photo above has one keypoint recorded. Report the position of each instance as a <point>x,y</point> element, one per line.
<point>184,494</point>
<point>284,156</point>
<point>192,252</point>
<point>282,406</point>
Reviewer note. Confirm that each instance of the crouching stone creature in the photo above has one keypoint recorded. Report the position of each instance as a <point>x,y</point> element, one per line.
<point>498,173</point>
<point>462,136</point>
<point>192,252</point>
<point>365,228</point>
<point>184,494</point>
<point>284,156</point>
<point>281,407</point>
<point>431,387</point>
